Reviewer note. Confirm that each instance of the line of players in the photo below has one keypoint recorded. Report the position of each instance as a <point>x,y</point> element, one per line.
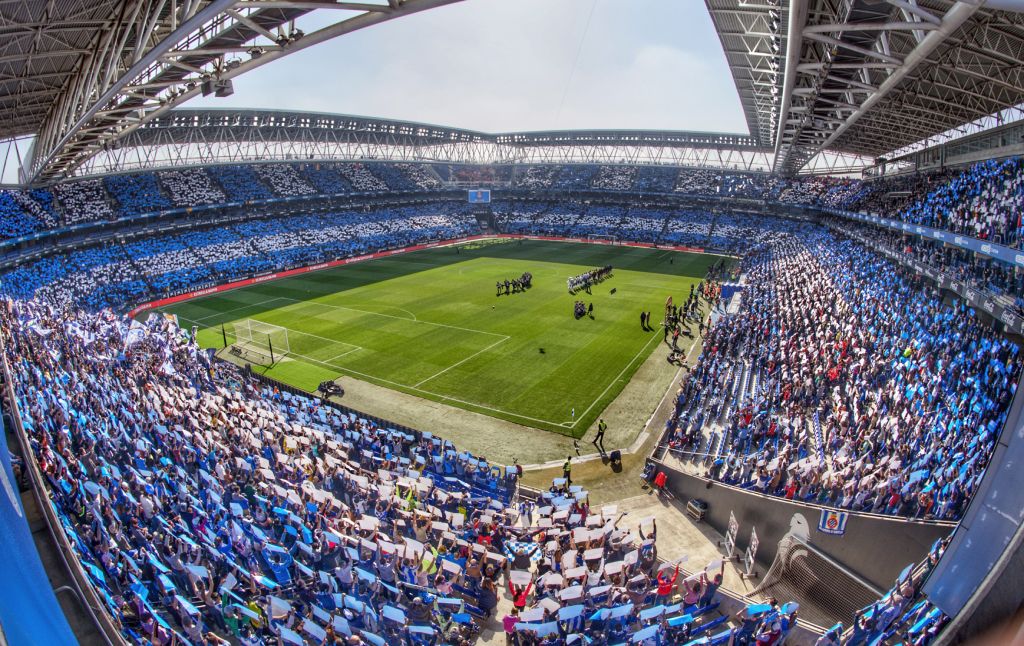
<point>515,285</point>
<point>588,278</point>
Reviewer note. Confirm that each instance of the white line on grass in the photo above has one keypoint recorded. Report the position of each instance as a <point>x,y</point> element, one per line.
<point>391,316</point>
<point>315,336</point>
<point>654,337</point>
<point>235,309</point>
<point>439,396</point>
<point>459,363</point>
<point>354,349</point>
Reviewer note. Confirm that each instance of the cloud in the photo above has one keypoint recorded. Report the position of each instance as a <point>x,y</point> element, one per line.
<point>495,65</point>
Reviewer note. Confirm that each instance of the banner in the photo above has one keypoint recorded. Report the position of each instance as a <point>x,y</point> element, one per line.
<point>833,522</point>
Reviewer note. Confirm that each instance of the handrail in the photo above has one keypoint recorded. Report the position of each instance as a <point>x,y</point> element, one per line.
<point>83,589</point>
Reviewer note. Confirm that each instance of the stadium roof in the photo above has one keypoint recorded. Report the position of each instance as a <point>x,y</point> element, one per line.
<point>862,77</point>
<point>81,73</point>
<point>869,77</point>
<point>229,135</point>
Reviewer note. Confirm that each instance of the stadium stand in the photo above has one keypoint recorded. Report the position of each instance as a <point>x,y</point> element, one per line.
<point>283,180</point>
<point>361,179</point>
<point>808,405</point>
<point>656,179</point>
<point>420,175</point>
<point>240,183</point>
<point>574,177</point>
<point>326,178</point>
<point>191,187</point>
<point>135,194</point>
<point>215,536</point>
<point>84,201</point>
<point>614,178</point>
<point>984,201</point>
<point>536,177</point>
<point>289,517</point>
<point>15,220</point>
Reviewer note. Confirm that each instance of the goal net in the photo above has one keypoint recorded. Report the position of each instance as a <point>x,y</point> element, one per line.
<point>261,340</point>
<point>827,591</point>
<point>603,238</point>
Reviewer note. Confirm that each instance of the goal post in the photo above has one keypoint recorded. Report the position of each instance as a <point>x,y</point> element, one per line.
<point>262,339</point>
<point>602,238</point>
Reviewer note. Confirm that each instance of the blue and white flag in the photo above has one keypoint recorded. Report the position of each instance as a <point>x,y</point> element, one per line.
<point>833,522</point>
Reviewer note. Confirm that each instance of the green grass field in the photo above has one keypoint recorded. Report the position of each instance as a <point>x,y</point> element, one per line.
<point>428,323</point>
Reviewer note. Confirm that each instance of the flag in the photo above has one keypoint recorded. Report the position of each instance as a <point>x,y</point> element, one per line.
<point>833,522</point>
<point>574,412</point>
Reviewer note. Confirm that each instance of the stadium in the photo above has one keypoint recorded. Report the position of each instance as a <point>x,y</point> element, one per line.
<point>288,376</point>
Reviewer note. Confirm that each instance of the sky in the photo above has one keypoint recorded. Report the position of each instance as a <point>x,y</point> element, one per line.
<point>514,65</point>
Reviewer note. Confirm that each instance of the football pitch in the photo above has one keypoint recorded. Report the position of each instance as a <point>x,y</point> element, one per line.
<point>428,323</point>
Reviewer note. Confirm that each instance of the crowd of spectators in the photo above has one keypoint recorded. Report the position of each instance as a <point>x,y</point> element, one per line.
<point>574,177</point>
<point>614,178</point>
<point>284,180</point>
<point>985,274</point>
<point>83,201</point>
<point>193,186</point>
<point>682,227</point>
<point>420,176</point>
<point>844,382</point>
<point>840,380</point>
<point>536,177</point>
<point>135,194</point>
<point>472,174</point>
<point>208,508</point>
<point>16,220</point>
<point>656,179</point>
<point>984,201</point>
<point>239,183</point>
<point>119,274</point>
<point>326,178</point>
<point>980,201</point>
<point>900,616</point>
<point>361,179</point>
<point>518,216</point>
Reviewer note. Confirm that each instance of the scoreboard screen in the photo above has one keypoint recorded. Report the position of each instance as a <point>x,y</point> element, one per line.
<point>479,196</point>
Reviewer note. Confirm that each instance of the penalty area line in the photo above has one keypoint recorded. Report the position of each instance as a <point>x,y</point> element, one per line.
<point>459,363</point>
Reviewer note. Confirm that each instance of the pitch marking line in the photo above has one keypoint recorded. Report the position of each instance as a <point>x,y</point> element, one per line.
<point>315,336</point>
<point>459,363</point>
<point>391,316</point>
<point>439,396</point>
<point>654,337</point>
<point>235,309</point>
<point>354,349</point>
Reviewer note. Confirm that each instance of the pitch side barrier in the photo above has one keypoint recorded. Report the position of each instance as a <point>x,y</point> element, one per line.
<point>875,547</point>
<point>267,277</point>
